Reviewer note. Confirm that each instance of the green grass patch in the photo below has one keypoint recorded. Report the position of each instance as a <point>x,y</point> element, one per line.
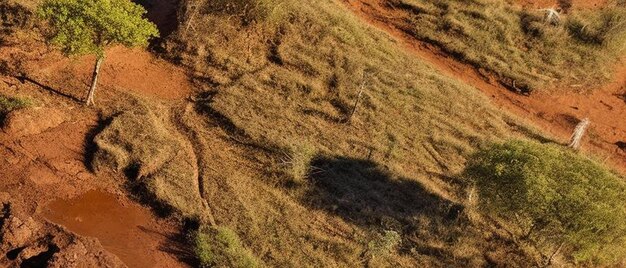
<point>221,247</point>
<point>8,104</point>
<point>522,47</point>
<point>557,196</point>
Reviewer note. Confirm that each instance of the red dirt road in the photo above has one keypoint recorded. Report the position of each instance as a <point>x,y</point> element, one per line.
<point>555,113</point>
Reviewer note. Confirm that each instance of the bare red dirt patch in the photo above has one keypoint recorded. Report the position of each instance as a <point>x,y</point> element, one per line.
<point>124,69</point>
<point>38,167</point>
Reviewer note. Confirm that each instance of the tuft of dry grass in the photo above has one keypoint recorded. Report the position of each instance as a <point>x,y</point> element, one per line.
<point>298,161</point>
<point>147,149</point>
<point>525,49</point>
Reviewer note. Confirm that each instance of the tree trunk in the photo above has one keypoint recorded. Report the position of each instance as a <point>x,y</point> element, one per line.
<point>578,134</point>
<point>94,81</point>
<point>356,104</point>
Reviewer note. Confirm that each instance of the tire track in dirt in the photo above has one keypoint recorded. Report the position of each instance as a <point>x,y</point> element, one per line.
<point>180,119</point>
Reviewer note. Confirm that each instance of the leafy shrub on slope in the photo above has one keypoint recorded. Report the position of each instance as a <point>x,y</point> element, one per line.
<point>558,195</point>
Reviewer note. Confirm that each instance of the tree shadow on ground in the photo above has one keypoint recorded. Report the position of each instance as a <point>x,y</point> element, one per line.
<point>23,79</point>
<point>175,244</point>
<point>163,13</point>
<point>370,196</point>
<point>434,230</point>
<point>362,192</point>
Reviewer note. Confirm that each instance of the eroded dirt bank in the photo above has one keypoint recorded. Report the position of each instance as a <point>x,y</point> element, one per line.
<point>555,113</point>
<point>41,166</point>
<point>44,162</point>
<point>55,209</point>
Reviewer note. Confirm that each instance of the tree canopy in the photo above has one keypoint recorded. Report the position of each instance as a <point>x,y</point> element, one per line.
<point>87,26</point>
<point>562,195</point>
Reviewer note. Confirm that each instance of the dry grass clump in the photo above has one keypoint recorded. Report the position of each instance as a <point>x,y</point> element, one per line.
<point>298,161</point>
<point>247,11</point>
<point>522,48</point>
<point>384,244</point>
<point>145,148</point>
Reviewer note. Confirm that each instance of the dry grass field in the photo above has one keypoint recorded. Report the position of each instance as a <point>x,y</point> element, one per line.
<point>310,139</point>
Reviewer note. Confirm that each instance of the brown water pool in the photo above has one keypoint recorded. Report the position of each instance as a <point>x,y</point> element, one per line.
<point>124,228</point>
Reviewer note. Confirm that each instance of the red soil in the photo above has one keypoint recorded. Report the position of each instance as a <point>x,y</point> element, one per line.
<point>555,113</point>
<point>43,166</point>
<point>132,70</point>
<point>49,164</point>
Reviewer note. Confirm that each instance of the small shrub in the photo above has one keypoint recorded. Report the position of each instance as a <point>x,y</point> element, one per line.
<point>563,197</point>
<point>606,28</point>
<point>221,247</point>
<point>384,244</point>
<point>8,104</point>
<point>79,27</point>
<point>299,161</point>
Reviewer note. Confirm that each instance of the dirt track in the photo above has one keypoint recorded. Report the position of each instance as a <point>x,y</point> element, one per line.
<point>556,114</point>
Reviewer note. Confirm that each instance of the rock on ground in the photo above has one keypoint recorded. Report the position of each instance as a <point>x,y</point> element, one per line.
<point>26,122</point>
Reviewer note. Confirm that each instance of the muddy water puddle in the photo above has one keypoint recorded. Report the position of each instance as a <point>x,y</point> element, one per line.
<point>125,229</point>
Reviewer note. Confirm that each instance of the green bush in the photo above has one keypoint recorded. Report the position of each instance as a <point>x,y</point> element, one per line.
<point>221,247</point>
<point>561,197</point>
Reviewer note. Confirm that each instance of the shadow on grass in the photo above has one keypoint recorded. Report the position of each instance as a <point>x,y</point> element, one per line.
<point>163,13</point>
<point>433,229</point>
<point>362,192</point>
<point>175,244</point>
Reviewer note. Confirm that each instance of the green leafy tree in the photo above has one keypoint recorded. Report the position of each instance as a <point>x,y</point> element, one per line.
<point>565,200</point>
<point>81,27</point>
